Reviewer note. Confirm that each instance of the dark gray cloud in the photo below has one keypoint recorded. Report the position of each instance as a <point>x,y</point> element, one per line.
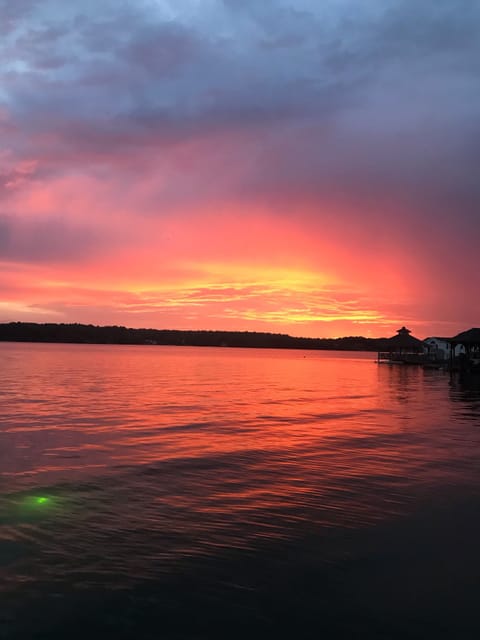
<point>370,100</point>
<point>13,13</point>
<point>85,63</point>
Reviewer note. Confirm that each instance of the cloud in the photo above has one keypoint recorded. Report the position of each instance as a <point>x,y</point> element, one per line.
<point>385,93</point>
<point>52,241</point>
<point>13,13</point>
<point>14,176</point>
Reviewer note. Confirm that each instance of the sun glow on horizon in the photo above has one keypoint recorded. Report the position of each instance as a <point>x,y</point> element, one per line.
<point>226,296</point>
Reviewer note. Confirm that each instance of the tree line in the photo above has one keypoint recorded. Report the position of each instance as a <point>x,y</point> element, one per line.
<point>92,334</point>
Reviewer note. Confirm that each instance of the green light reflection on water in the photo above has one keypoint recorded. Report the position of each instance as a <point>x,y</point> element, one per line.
<point>37,501</point>
<point>32,506</point>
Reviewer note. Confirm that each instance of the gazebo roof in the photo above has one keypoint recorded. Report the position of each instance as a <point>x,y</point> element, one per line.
<point>403,341</point>
<point>470,337</point>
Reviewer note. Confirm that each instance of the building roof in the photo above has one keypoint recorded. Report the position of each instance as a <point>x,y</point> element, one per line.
<point>404,341</point>
<point>470,337</point>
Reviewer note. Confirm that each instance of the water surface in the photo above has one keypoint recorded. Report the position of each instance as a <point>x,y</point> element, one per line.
<point>176,492</point>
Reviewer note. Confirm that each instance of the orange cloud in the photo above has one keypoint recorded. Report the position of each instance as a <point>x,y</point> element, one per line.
<point>118,257</point>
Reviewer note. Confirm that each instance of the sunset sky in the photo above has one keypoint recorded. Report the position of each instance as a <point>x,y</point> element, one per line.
<point>298,166</point>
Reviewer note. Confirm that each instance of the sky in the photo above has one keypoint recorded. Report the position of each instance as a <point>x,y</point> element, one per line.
<point>293,166</point>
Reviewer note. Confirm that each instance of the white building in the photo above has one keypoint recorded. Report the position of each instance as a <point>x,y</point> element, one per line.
<point>440,348</point>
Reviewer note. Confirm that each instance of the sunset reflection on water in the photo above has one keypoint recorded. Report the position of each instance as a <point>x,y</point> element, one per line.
<point>119,465</point>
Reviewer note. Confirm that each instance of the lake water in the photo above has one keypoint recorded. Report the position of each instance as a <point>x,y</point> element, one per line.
<point>177,492</point>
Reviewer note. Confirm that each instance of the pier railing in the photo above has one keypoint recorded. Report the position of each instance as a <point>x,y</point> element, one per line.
<point>408,358</point>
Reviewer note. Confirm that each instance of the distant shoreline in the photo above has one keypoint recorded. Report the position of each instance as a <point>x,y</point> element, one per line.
<point>91,334</point>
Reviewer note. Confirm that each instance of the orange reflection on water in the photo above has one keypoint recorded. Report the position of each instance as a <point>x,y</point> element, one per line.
<point>257,429</point>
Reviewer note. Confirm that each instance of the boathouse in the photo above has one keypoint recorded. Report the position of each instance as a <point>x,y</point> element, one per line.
<point>469,360</point>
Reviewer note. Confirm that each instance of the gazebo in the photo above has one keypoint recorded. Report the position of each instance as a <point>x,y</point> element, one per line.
<point>403,342</point>
<point>403,349</point>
